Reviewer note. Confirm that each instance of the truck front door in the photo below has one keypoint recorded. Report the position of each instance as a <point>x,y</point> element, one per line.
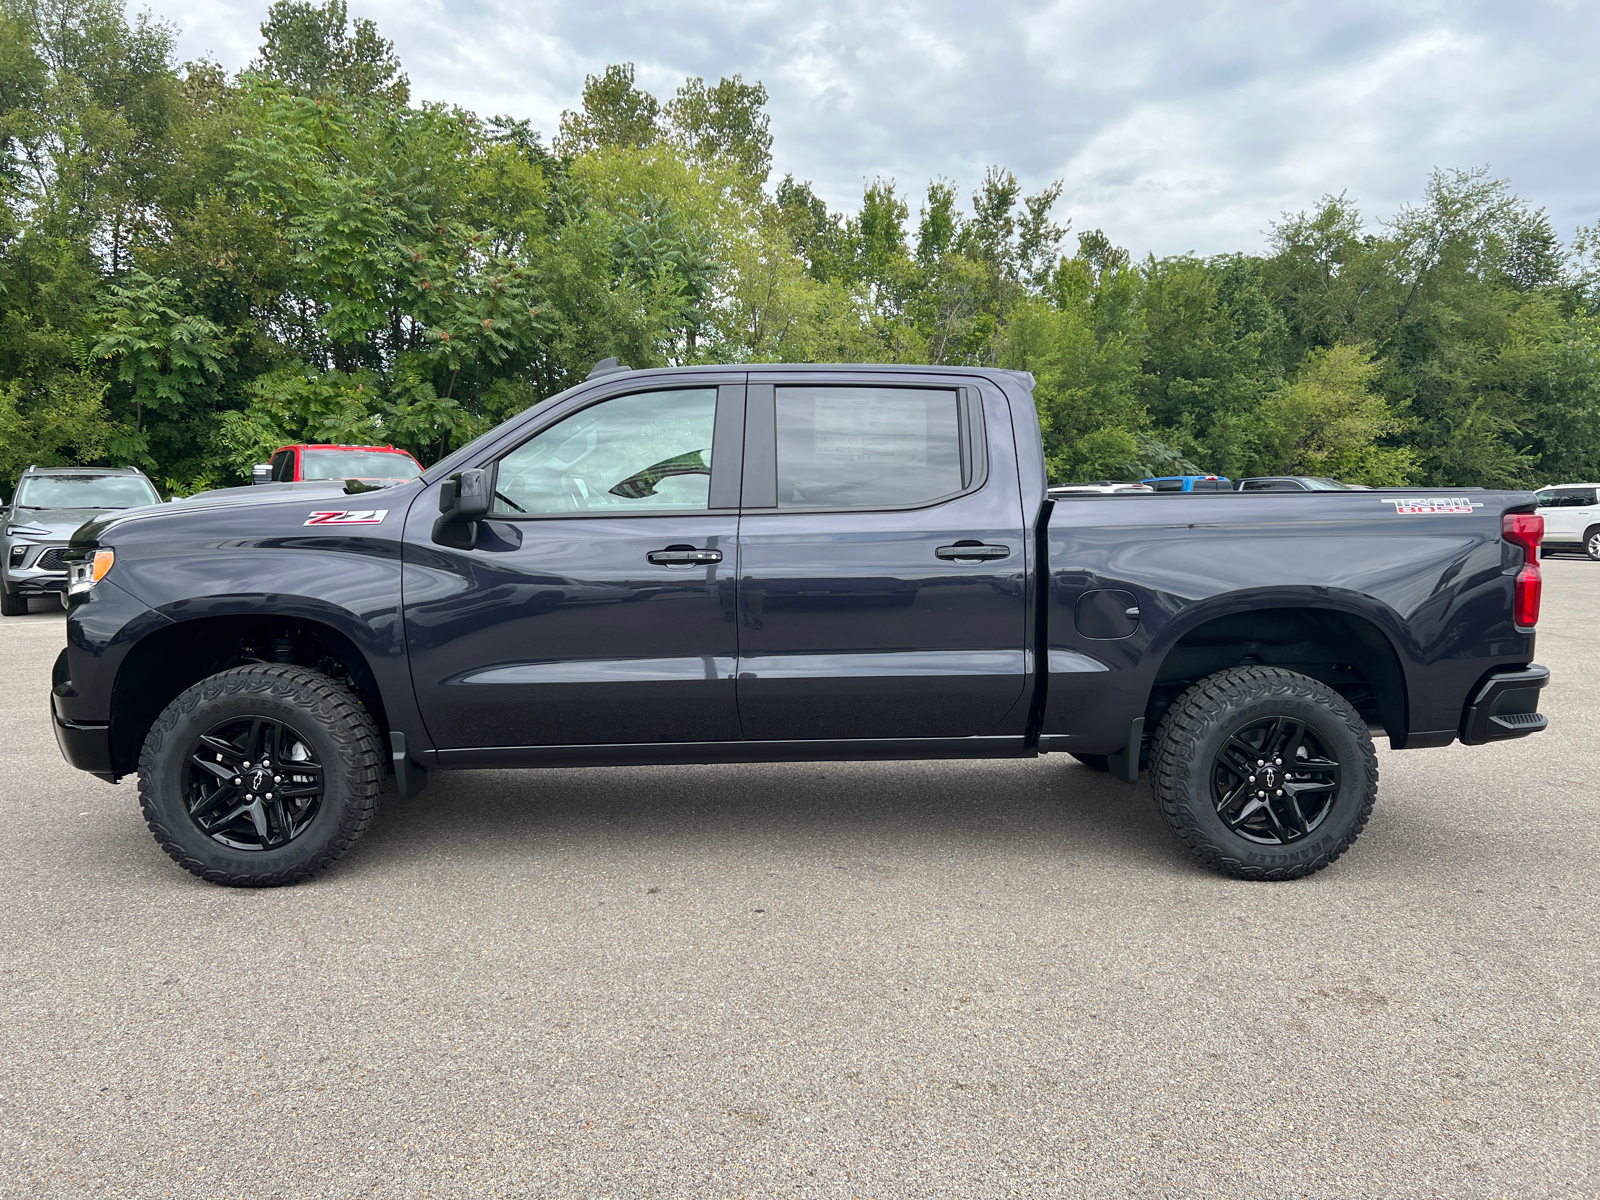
<point>881,585</point>
<point>597,604</point>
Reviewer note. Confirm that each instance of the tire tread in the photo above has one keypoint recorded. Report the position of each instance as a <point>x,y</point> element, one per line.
<point>1176,745</point>
<point>345,720</point>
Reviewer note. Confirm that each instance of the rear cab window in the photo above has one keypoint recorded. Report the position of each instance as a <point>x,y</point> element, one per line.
<point>841,447</point>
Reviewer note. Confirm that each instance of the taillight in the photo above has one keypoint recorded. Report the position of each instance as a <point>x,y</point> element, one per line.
<point>1525,530</point>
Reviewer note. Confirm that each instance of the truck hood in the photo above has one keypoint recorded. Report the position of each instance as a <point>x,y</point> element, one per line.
<point>196,510</point>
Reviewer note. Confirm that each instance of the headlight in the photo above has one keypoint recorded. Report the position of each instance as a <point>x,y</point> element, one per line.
<point>84,573</point>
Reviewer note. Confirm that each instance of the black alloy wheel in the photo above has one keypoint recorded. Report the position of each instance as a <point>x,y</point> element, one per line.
<point>1274,781</point>
<point>261,775</point>
<point>1264,773</point>
<point>252,783</point>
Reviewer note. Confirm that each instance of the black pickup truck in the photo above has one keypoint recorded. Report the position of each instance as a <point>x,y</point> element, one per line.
<point>785,563</point>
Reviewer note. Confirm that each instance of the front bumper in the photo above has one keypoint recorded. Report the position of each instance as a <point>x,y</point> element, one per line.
<point>85,746</point>
<point>29,578</point>
<point>1506,706</point>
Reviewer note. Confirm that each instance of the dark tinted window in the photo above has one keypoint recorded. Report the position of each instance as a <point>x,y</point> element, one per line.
<point>1169,485</point>
<point>283,466</point>
<point>1271,485</point>
<point>650,451</point>
<point>357,464</point>
<point>862,447</point>
<point>1568,498</point>
<point>86,491</point>
<point>1211,485</point>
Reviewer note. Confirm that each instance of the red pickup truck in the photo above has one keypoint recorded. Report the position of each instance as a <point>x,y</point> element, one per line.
<point>370,464</point>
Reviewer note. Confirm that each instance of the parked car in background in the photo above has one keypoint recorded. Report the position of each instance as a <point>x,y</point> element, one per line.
<point>379,465</point>
<point>50,503</point>
<point>1571,514</point>
<point>1190,483</point>
<point>1294,483</point>
<point>1102,487</point>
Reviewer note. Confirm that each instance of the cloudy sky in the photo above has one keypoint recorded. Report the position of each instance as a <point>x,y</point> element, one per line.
<point>1174,124</point>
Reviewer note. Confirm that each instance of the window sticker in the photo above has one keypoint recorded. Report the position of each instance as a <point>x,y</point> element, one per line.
<point>884,431</point>
<point>354,516</point>
<point>1434,504</point>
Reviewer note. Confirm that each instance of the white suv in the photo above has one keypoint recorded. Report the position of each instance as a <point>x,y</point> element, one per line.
<point>1571,513</point>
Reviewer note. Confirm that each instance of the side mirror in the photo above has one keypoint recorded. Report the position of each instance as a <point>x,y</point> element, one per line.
<point>261,473</point>
<point>465,498</point>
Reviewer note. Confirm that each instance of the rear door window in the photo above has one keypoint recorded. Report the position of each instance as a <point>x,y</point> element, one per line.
<point>870,447</point>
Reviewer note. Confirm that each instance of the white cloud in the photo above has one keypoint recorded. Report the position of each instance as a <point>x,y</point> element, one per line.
<point>1175,124</point>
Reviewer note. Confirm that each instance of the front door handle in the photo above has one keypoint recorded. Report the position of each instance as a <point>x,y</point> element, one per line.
<point>683,556</point>
<point>972,552</point>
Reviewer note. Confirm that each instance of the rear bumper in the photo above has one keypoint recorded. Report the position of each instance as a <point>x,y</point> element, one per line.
<point>1506,706</point>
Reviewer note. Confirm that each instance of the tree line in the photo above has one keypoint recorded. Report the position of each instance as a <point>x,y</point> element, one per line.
<point>198,267</point>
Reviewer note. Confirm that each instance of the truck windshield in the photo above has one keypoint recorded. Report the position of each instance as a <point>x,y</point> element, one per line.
<point>358,464</point>
<point>86,491</point>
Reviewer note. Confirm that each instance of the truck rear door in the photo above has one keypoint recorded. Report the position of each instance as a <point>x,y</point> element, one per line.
<point>882,560</point>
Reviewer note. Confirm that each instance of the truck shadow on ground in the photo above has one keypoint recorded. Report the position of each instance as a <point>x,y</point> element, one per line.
<point>1050,806</point>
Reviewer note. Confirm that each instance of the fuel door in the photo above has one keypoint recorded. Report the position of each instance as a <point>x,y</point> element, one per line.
<point>1107,613</point>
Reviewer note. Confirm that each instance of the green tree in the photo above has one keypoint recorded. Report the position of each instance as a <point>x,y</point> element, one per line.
<point>615,112</point>
<point>315,50</point>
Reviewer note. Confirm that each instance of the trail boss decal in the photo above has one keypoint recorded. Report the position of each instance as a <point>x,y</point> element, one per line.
<point>1435,504</point>
<point>355,516</point>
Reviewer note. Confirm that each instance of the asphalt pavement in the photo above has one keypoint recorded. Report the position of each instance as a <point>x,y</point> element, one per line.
<point>881,980</point>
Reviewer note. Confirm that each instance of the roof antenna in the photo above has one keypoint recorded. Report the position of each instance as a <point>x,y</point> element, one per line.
<point>606,366</point>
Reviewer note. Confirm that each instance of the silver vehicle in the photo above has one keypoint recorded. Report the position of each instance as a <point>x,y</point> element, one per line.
<point>1101,487</point>
<point>50,504</point>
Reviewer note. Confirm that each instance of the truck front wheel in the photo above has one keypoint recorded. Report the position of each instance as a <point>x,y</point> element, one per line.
<point>260,776</point>
<point>1264,773</point>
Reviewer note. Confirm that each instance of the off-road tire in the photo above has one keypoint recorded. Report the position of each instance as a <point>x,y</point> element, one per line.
<point>1194,730</point>
<point>1095,762</point>
<point>13,604</point>
<point>326,713</point>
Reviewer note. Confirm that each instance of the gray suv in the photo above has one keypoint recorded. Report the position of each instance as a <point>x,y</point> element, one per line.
<point>50,503</point>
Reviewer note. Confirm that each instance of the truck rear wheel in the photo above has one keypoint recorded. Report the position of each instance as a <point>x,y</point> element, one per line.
<point>1264,773</point>
<point>260,776</point>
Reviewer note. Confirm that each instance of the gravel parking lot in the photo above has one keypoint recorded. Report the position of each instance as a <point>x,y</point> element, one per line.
<point>885,980</point>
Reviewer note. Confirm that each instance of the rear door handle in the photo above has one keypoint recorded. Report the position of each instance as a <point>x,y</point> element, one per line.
<point>972,552</point>
<point>683,556</point>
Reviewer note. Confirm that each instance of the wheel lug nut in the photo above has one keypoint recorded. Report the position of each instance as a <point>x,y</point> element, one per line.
<point>1280,792</point>
<point>269,795</point>
<point>236,779</point>
<point>1260,762</point>
<point>277,779</point>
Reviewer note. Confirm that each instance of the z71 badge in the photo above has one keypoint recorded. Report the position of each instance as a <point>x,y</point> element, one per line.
<point>355,516</point>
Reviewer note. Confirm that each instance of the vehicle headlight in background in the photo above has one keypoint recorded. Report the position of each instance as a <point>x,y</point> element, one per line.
<point>84,573</point>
